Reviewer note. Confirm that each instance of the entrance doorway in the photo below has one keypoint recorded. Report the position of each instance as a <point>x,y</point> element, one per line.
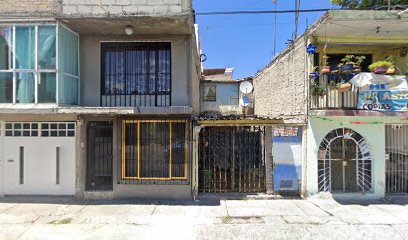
<point>344,162</point>
<point>99,161</point>
<point>396,150</point>
<point>231,159</point>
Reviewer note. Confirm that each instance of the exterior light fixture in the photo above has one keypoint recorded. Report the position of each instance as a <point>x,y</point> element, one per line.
<point>129,30</point>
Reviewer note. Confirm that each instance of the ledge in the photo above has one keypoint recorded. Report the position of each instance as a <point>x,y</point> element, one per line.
<point>52,109</point>
<point>363,113</point>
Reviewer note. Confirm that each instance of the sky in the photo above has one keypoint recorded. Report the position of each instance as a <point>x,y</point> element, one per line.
<point>246,42</point>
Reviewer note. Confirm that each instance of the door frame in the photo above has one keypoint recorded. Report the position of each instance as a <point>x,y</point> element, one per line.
<point>2,160</point>
<point>109,123</point>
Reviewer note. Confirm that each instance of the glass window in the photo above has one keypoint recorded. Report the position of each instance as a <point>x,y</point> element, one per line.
<point>25,49</point>
<point>68,51</point>
<point>210,92</point>
<point>6,54</point>
<point>154,150</point>
<point>25,54</point>
<point>6,87</point>
<point>25,87</point>
<point>46,47</point>
<point>47,88</point>
<point>161,146</point>
<point>136,68</point>
<point>68,90</point>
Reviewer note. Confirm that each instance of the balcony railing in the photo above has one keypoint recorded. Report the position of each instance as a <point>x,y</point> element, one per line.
<point>122,100</point>
<point>330,96</point>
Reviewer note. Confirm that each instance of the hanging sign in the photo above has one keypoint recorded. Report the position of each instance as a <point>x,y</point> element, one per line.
<point>381,92</point>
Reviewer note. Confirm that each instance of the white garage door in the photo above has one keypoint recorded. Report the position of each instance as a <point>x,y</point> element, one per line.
<point>39,158</point>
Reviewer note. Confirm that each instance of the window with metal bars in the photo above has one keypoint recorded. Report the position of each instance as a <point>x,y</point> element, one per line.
<point>136,74</point>
<point>154,149</point>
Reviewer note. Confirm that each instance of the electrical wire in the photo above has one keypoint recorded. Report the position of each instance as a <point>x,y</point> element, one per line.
<point>262,12</point>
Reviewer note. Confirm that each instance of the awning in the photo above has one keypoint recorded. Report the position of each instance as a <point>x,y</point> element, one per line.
<point>389,81</point>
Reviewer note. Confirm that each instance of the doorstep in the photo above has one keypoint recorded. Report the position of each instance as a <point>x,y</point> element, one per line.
<point>98,195</point>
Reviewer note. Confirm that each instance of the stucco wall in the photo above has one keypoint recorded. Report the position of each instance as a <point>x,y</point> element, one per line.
<point>90,51</point>
<point>226,99</point>
<point>280,88</point>
<point>375,136</point>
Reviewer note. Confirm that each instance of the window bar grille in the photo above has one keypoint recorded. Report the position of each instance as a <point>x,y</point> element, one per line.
<point>153,151</point>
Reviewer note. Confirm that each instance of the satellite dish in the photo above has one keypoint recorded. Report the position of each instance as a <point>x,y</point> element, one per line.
<point>246,87</point>
<point>245,101</point>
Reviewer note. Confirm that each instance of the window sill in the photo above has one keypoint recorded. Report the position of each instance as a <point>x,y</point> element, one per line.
<point>154,182</point>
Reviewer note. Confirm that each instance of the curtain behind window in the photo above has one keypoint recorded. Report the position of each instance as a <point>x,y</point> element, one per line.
<point>136,68</point>
<point>25,52</point>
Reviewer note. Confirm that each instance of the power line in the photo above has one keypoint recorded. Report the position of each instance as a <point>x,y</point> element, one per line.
<point>262,12</point>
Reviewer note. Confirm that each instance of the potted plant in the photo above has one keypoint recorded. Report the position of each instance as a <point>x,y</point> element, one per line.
<point>384,66</point>
<point>343,86</point>
<point>311,49</point>
<point>351,63</point>
<point>318,90</point>
<point>325,67</point>
<point>314,74</point>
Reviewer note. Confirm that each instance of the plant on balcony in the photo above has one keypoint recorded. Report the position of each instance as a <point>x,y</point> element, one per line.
<point>314,73</point>
<point>318,90</point>
<point>384,66</point>
<point>311,49</point>
<point>343,86</point>
<point>351,63</point>
<point>325,67</point>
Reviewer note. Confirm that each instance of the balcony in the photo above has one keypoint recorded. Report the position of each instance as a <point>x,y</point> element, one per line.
<point>370,92</point>
<point>326,94</point>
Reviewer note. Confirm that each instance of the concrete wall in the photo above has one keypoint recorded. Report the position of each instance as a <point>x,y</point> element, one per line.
<point>375,136</point>
<point>75,8</point>
<point>126,7</point>
<point>227,98</point>
<point>90,51</point>
<point>280,88</point>
<point>195,74</point>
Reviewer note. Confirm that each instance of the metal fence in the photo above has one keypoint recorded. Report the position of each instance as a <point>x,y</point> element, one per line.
<point>396,149</point>
<point>232,159</point>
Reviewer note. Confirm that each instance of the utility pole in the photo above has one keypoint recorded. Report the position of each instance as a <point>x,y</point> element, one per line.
<point>274,30</point>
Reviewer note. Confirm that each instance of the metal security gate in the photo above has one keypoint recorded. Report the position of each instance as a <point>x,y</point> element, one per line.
<point>99,162</point>
<point>396,150</point>
<point>231,159</point>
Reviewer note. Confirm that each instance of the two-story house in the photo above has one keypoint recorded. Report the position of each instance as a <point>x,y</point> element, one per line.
<point>96,97</point>
<point>357,121</point>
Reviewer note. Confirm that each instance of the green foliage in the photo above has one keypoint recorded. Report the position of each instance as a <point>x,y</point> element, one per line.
<point>318,90</point>
<point>351,59</point>
<point>380,64</point>
<point>366,4</point>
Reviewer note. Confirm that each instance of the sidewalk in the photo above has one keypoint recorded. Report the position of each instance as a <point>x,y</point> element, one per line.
<point>68,218</point>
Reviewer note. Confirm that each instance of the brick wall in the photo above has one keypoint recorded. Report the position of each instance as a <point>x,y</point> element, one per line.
<point>28,7</point>
<point>280,87</point>
<point>126,7</point>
